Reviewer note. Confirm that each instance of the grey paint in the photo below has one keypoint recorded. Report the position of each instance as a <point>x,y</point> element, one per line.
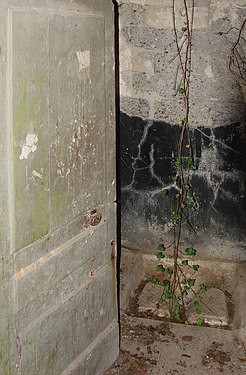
<point>58,284</point>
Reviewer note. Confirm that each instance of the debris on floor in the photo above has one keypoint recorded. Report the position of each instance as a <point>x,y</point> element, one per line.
<point>152,344</point>
<point>151,347</point>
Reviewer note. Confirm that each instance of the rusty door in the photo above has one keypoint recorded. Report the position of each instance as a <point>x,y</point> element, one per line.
<point>58,286</point>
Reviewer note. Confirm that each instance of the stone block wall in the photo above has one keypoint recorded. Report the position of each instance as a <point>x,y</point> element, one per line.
<point>150,111</point>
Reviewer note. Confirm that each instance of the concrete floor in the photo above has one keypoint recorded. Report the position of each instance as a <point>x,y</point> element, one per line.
<point>150,347</point>
<point>158,347</point>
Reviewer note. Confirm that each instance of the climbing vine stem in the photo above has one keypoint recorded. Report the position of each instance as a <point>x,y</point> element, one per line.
<point>237,58</point>
<point>179,280</point>
<point>184,146</point>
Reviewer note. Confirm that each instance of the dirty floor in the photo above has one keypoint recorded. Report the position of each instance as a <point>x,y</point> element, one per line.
<point>152,347</point>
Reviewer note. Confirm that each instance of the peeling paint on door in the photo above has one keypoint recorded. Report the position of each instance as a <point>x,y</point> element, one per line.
<point>29,146</point>
<point>84,59</point>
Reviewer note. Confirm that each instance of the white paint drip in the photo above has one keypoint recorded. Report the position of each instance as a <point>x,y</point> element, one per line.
<point>29,146</point>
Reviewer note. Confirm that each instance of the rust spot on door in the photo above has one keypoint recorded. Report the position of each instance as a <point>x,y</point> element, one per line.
<point>94,218</point>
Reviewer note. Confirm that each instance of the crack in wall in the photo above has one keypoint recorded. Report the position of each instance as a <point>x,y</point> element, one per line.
<point>214,141</point>
<point>149,150</point>
<point>139,159</point>
<point>152,164</point>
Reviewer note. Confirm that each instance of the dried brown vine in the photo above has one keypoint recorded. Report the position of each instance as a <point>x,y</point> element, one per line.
<point>237,57</point>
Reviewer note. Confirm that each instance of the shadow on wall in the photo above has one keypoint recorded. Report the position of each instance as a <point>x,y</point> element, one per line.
<point>148,152</point>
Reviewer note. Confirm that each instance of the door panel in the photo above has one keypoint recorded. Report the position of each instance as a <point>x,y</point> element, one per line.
<point>61,187</point>
<point>75,321</point>
<point>77,106</point>
<point>29,107</point>
<point>72,259</point>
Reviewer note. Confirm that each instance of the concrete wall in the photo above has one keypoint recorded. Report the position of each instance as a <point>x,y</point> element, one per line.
<point>151,108</point>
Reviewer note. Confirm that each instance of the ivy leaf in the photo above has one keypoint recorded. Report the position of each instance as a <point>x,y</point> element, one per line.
<point>161,247</point>
<point>200,322</point>
<point>155,281</point>
<point>181,122</point>
<point>190,200</point>
<point>175,217</point>
<point>197,302</point>
<point>198,311</point>
<point>185,262</point>
<point>168,271</point>
<point>160,251</point>
<point>190,251</point>
<point>166,283</point>
<point>175,316</point>
<point>181,90</point>
<point>184,29</point>
<point>193,168</point>
<point>161,301</point>
<point>177,162</point>
<point>168,294</point>
<point>190,160</point>
<point>195,267</point>
<point>191,282</point>
<point>176,308</point>
<point>203,287</point>
<point>164,193</point>
<point>160,268</point>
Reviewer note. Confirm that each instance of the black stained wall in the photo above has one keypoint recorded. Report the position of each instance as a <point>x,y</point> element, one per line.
<point>148,151</point>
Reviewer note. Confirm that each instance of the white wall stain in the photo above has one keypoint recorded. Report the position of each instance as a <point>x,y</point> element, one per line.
<point>209,71</point>
<point>29,146</point>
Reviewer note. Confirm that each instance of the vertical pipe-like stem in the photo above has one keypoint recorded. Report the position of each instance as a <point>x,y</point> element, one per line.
<point>182,179</point>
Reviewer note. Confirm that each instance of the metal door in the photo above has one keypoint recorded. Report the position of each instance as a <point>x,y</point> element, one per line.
<point>58,286</point>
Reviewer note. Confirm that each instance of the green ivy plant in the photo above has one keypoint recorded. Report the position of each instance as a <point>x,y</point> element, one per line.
<point>179,280</point>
